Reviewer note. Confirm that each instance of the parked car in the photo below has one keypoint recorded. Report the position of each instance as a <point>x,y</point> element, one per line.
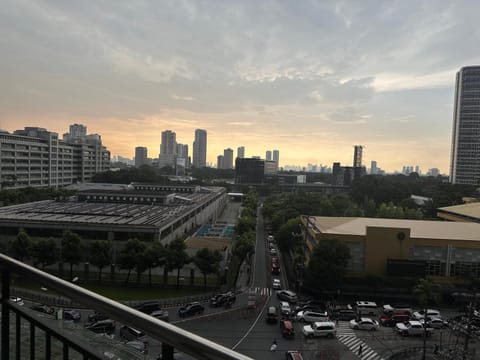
<point>43,309</point>
<point>221,299</point>
<point>417,315</point>
<point>17,300</point>
<point>71,315</point>
<point>191,309</point>
<point>393,319</point>
<point>276,284</point>
<point>103,326</point>
<point>96,316</point>
<point>342,313</point>
<point>311,316</point>
<point>129,333</point>
<point>272,314</point>
<point>285,309</point>
<point>137,345</point>
<point>287,329</point>
<point>397,308</point>
<point>364,324</point>
<point>148,307</point>
<point>412,328</point>
<point>287,295</point>
<point>326,328</point>
<point>435,322</point>
<point>161,315</point>
<point>273,252</point>
<point>293,355</point>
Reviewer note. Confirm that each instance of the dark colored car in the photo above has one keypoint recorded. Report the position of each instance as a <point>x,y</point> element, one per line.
<point>272,315</point>
<point>102,326</point>
<point>287,329</point>
<point>394,318</point>
<point>148,307</point>
<point>293,355</point>
<point>223,299</point>
<point>275,269</point>
<point>96,316</point>
<point>43,309</point>
<point>71,315</point>
<point>191,309</point>
<point>128,333</point>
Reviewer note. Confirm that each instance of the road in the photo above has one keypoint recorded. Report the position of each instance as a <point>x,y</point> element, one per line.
<point>247,332</point>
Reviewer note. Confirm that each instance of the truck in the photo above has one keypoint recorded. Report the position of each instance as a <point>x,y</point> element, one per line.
<point>413,328</point>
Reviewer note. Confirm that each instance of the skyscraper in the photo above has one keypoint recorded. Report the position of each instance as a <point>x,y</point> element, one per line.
<point>140,156</point>
<point>241,152</point>
<point>168,149</point>
<point>357,156</point>
<point>276,157</point>
<point>228,158</point>
<point>220,162</point>
<point>465,154</point>
<point>200,148</point>
<point>268,155</point>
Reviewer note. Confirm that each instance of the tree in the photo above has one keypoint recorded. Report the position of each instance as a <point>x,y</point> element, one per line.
<point>177,256</point>
<point>426,293</point>
<point>153,256</point>
<point>20,247</point>
<point>207,262</point>
<point>131,258</point>
<point>71,250</point>
<point>100,255</point>
<point>289,236</point>
<point>44,252</point>
<point>327,265</point>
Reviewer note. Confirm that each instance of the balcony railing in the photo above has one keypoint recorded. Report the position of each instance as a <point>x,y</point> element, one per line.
<point>170,336</point>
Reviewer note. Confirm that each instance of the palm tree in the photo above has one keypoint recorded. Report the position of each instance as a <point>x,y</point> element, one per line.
<point>426,292</point>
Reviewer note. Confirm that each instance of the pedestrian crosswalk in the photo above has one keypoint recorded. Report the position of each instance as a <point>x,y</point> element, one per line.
<point>263,291</point>
<point>348,337</point>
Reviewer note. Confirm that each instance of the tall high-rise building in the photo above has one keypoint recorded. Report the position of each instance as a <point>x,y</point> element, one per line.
<point>373,167</point>
<point>241,152</point>
<point>465,153</point>
<point>140,156</point>
<point>276,157</point>
<point>268,155</point>
<point>357,156</point>
<point>220,160</point>
<point>228,159</point>
<point>200,148</point>
<point>168,149</point>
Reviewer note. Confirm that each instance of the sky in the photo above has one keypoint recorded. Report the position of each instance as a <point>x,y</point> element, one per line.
<point>309,78</point>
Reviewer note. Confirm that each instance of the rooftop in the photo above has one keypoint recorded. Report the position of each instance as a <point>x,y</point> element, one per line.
<point>418,228</point>
<point>471,210</point>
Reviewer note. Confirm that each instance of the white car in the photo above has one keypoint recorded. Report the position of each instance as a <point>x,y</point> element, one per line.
<point>418,315</point>
<point>435,322</point>
<point>17,300</point>
<point>311,316</point>
<point>364,324</point>
<point>285,308</point>
<point>326,328</point>
<point>276,284</point>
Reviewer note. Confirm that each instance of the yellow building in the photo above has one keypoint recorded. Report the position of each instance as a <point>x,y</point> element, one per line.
<point>398,246</point>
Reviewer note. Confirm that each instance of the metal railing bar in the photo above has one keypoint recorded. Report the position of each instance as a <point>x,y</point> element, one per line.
<point>48,346</point>
<point>5,314</point>
<point>81,348</point>
<point>65,351</point>
<point>183,340</point>
<point>18,335</point>
<point>32,340</point>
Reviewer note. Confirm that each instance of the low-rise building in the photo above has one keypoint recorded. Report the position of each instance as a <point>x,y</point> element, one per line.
<point>400,247</point>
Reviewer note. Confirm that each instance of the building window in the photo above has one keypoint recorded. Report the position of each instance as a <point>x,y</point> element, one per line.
<point>435,268</point>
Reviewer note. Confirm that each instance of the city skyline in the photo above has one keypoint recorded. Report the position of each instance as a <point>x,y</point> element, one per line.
<point>309,79</point>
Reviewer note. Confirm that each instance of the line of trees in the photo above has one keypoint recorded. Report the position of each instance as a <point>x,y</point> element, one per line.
<point>136,256</point>
<point>245,234</point>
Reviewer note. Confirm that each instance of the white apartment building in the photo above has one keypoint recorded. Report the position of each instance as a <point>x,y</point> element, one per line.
<point>38,158</point>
